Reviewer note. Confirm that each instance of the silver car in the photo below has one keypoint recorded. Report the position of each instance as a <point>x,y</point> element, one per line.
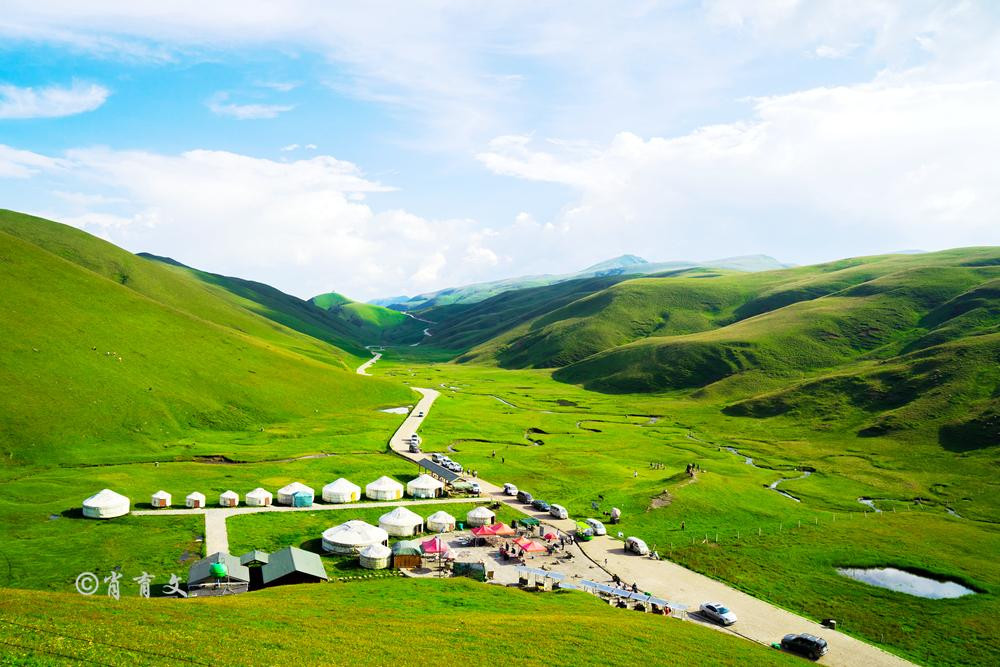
<point>718,612</point>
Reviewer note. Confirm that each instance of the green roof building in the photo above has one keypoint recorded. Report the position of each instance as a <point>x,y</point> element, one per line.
<point>293,566</point>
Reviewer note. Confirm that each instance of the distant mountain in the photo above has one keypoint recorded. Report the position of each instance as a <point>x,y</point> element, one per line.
<point>617,266</point>
<point>369,322</point>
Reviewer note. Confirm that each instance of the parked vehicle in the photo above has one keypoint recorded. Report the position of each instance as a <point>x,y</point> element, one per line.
<point>471,488</point>
<point>420,414</point>
<point>414,447</point>
<point>805,644</point>
<point>558,511</point>
<point>636,546</point>
<point>454,466</point>
<point>584,533</point>
<point>509,489</point>
<point>718,612</point>
<point>525,497</point>
<point>597,527</point>
<point>541,505</point>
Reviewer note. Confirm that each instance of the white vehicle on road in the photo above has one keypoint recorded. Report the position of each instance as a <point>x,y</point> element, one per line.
<point>636,546</point>
<point>509,489</point>
<point>718,612</point>
<point>597,527</point>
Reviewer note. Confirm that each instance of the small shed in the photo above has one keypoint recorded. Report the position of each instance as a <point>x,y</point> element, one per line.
<point>384,488</point>
<point>229,499</point>
<point>406,553</point>
<point>353,536</point>
<point>106,504</point>
<point>259,498</point>
<point>254,558</point>
<point>375,557</point>
<point>218,574</point>
<point>401,522</point>
<point>293,566</point>
<point>195,500</point>
<point>424,486</point>
<point>160,499</point>
<point>481,516</point>
<point>341,491</point>
<point>440,522</point>
<point>286,494</point>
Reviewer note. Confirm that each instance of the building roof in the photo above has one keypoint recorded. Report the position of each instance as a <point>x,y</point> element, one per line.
<point>259,493</point>
<point>229,494</point>
<point>440,517</point>
<point>384,482</point>
<point>106,499</point>
<point>295,487</point>
<point>201,571</point>
<point>355,532</point>
<point>196,495</point>
<point>161,494</point>
<point>255,556</point>
<point>376,551</point>
<point>407,548</point>
<point>289,560</point>
<point>400,517</point>
<point>425,481</point>
<point>438,470</point>
<point>481,512</point>
<point>341,486</point>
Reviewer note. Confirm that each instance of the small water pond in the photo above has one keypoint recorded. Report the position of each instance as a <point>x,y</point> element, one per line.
<point>902,581</point>
<point>396,411</point>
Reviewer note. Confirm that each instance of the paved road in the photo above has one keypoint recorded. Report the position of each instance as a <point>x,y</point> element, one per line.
<point>759,621</point>
<point>363,368</point>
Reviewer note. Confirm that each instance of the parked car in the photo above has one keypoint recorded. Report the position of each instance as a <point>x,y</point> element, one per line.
<point>420,414</point>
<point>597,527</point>
<point>414,447</point>
<point>525,497</point>
<point>584,533</point>
<point>718,612</point>
<point>805,644</point>
<point>454,466</point>
<point>636,546</point>
<point>541,505</point>
<point>436,457</point>
<point>472,488</point>
<point>509,489</point>
<point>558,511</point>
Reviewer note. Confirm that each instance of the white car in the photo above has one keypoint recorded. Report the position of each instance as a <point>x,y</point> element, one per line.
<point>597,527</point>
<point>718,612</point>
<point>509,489</point>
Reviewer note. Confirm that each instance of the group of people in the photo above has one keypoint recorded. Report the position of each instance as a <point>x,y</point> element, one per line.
<point>656,466</point>
<point>634,588</point>
<point>692,468</point>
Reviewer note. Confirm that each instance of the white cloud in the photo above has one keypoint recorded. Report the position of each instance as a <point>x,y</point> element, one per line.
<point>51,101</point>
<point>16,163</point>
<point>814,174</point>
<point>219,104</point>
<point>290,147</point>
<point>280,86</point>
<point>311,147</point>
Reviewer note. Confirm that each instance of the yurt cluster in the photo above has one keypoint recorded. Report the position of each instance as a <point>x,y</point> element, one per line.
<point>107,504</point>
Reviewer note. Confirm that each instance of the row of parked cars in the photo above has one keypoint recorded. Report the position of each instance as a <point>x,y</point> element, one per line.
<point>446,462</point>
<point>585,530</point>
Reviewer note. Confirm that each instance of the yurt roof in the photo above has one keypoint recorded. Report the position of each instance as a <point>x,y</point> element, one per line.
<point>229,494</point>
<point>481,512</point>
<point>384,482</point>
<point>295,487</point>
<point>196,495</point>
<point>342,485</point>
<point>355,532</point>
<point>376,551</point>
<point>258,493</point>
<point>441,517</point>
<point>426,481</point>
<point>161,494</point>
<point>407,548</point>
<point>401,517</point>
<point>105,498</point>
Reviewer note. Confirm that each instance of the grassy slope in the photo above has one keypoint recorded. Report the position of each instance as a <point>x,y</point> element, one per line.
<point>373,622</point>
<point>129,354</point>
<point>367,322</point>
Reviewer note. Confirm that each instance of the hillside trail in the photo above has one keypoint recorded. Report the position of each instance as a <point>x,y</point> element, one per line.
<point>759,621</point>
<point>363,368</point>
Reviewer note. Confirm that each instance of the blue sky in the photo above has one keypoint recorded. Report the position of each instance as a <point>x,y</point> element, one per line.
<point>395,149</point>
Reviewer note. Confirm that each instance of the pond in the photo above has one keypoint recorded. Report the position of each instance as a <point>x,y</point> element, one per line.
<point>902,581</point>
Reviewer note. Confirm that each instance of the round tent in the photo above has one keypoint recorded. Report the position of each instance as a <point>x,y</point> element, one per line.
<point>105,504</point>
<point>424,486</point>
<point>375,557</point>
<point>286,494</point>
<point>384,488</point>
<point>480,516</point>
<point>401,522</point>
<point>259,497</point>
<point>352,537</point>
<point>195,499</point>
<point>229,498</point>
<point>160,499</point>
<point>341,491</point>
<point>440,522</point>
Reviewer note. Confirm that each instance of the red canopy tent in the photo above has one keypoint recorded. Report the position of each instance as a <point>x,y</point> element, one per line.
<point>528,546</point>
<point>493,529</point>
<point>435,545</point>
<point>551,536</point>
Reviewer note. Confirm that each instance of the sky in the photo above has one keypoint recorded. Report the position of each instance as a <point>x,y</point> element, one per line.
<point>382,148</point>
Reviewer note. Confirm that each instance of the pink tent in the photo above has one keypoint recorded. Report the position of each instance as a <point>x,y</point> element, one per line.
<point>551,536</point>
<point>435,545</point>
<point>493,529</point>
<point>529,546</point>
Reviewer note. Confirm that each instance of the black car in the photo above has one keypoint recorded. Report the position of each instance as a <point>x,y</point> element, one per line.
<point>524,497</point>
<point>541,505</point>
<point>808,645</point>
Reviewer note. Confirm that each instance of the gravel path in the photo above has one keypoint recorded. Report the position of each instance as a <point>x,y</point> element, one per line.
<point>363,368</point>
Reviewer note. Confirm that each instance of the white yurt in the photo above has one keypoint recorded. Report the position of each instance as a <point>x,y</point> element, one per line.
<point>424,486</point>
<point>229,498</point>
<point>105,504</point>
<point>384,488</point>
<point>440,522</point>
<point>286,494</point>
<point>160,499</point>
<point>341,491</point>
<point>195,500</point>
<point>375,557</point>
<point>259,497</point>
<point>480,516</point>
<point>401,522</point>
<point>352,537</point>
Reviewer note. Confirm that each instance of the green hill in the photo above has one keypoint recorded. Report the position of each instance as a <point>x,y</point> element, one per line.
<point>368,322</point>
<point>129,354</point>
